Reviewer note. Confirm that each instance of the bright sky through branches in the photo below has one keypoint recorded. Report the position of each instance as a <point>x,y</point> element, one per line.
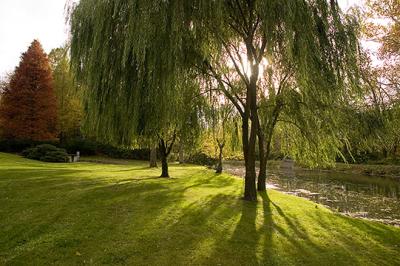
<point>21,21</point>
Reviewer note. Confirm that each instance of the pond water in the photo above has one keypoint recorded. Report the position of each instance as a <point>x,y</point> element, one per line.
<point>371,197</point>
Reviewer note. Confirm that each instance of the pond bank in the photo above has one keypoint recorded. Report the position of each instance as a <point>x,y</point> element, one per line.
<point>346,190</point>
<point>367,169</point>
<point>376,170</point>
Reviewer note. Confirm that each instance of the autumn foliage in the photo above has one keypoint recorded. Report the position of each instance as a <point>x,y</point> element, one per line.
<point>28,106</point>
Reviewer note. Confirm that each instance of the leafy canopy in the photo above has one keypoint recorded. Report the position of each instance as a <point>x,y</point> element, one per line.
<point>136,56</point>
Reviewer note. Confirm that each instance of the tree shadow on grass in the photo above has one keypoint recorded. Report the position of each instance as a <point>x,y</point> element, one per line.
<point>356,237</point>
<point>58,211</point>
<point>265,235</point>
<point>189,220</point>
<point>92,220</point>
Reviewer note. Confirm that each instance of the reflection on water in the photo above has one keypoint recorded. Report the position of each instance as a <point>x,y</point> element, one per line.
<point>373,197</point>
<point>356,195</point>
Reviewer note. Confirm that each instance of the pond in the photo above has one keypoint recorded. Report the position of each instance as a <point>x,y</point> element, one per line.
<point>370,197</point>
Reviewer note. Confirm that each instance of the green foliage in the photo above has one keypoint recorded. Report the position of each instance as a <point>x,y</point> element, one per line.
<point>137,57</point>
<point>11,145</point>
<point>46,153</point>
<point>83,145</point>
<point>90,147</point>
<point>123,153</point>
<point>69,95</point>
<point>201,158</point>
<point>135,90</point>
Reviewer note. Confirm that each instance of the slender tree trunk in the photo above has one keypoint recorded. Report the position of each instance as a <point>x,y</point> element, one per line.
<point>165,150</point>
<point>164,166</point>
<point>164,158</point>
<point>250,192</point>
<point>219,166</point>
<point>262,174</point>
<point>153,157</point>
<point>249,144</point>
<point>264,142</point>
<point>249,161</point>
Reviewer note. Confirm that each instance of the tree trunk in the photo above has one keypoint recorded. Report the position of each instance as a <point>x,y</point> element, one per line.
<point>181,154</point>
<point>250,192</point>
<point>264,143</point>
<point>153,157</point>
<point>219,166</point>
<point>262,174</point>
<point>165,150</point>
<point>249,138</point>
<point>164,166</point>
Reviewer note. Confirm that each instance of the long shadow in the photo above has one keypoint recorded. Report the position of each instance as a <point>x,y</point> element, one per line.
<point>245,234</point>
<point>361,235</point>
<point>96,215</point>
<point>68,210</point>
<point>278,222</point>
<point>267,228</point>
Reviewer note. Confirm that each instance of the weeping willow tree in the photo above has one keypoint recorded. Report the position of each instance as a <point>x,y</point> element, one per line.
<point>136,91</point>
<point>129,50</point>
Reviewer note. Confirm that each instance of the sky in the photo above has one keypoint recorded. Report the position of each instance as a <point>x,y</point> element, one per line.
<point>22,21</point>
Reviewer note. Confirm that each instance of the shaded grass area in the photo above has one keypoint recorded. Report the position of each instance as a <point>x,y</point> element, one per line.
<point>90,213</point>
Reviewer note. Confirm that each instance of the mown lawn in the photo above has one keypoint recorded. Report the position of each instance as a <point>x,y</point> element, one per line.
<point>86,213</point>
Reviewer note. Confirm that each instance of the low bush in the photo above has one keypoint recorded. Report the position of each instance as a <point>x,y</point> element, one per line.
<point>201,158</point>
<point>16,145</point>
<point>46,153</point>
<point>84,146</point>
<point>123,153</point>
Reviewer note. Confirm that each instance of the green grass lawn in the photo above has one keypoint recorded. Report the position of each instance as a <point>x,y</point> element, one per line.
<point>88,213</point>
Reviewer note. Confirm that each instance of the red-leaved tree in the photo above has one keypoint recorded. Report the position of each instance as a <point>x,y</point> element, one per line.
<point>28,108</point>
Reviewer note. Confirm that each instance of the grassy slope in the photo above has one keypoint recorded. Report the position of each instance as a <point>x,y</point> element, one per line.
<point>122,214</point>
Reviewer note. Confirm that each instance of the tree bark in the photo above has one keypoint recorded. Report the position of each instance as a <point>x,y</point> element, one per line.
<point>164,166</point>
<point>264,143</point>
<point>249,138</point>
<point>219,166</point>
<point>165,150</point>
<point>262,174</point>
<point>153,157</point>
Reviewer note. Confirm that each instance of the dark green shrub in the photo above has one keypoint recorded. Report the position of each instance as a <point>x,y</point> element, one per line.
<point>84,146</point>
<point>46,153</point>
<point>123,153</point>
<point>15,145</point>
<point>201,158</point>
<point>59,156</point>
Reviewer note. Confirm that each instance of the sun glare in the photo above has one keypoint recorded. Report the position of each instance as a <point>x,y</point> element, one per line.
<point>245,65</point>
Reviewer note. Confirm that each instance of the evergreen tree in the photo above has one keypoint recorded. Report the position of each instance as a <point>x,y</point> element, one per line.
<point>28,110</point>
